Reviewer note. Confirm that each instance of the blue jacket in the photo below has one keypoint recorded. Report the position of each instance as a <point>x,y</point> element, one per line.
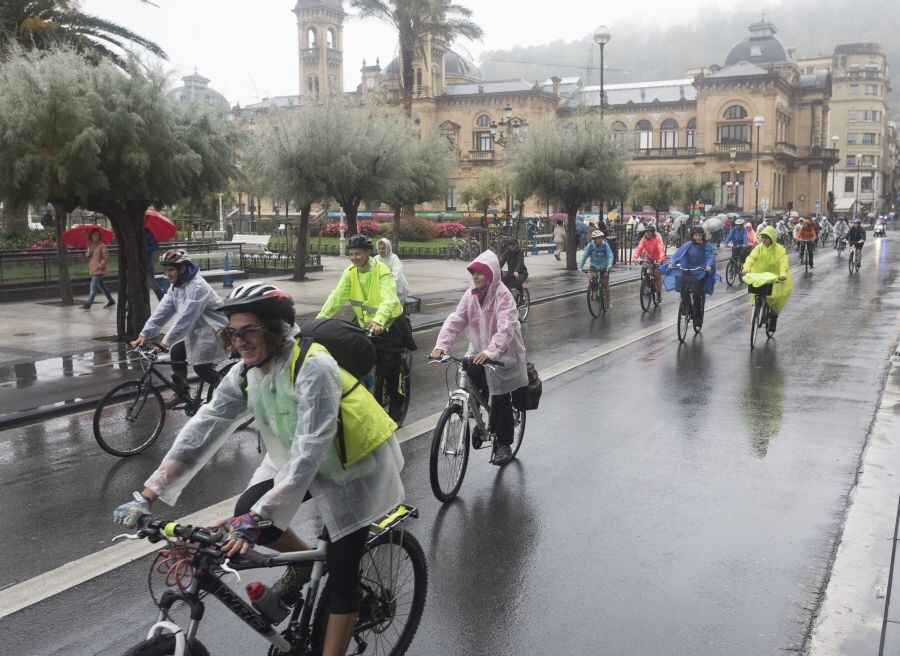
<point>601,257</point>
<point>737,236</point>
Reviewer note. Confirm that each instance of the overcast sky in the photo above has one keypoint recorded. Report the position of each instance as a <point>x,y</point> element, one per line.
<point>249,48</point>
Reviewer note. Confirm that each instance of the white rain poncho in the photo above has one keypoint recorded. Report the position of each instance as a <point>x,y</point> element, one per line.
<point>193,304</point>
<point>300,452</point>
<point>392,262</point>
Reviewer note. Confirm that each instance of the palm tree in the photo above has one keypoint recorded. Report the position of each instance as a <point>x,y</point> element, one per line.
<point>415,19</point>
<point>44,24</point>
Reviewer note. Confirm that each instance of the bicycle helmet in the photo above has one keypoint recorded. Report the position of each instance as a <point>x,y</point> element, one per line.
<point>597,233</point>
<point>697,230</point>
<point>360,241</point>
<point>174,257</point>
<point>739,222</point>
<point>650,228</point>
<point>857,221</point>
<point>262,299</point>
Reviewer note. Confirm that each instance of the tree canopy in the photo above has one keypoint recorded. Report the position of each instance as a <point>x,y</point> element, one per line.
<point>659,190</point>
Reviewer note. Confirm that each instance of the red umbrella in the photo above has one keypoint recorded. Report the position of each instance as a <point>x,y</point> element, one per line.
<point>79,236</point>
<point>559,216</point>
<point>161,226</point>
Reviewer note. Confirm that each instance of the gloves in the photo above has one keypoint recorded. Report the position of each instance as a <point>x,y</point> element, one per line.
<point>246,527</point>
<point>128,514</point>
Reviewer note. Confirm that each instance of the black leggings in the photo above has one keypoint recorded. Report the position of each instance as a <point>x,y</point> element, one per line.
<point>501,406</point>
<point>206,372</point>
<point>343,555</point>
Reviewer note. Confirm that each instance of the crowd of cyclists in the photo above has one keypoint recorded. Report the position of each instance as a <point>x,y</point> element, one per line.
<point>326,437</point>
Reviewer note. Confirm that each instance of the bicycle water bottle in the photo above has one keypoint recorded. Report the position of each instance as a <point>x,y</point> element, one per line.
<point>267,602</point>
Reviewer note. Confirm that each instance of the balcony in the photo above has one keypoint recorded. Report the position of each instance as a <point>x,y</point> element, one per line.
<point>740,147</point>
<point>785,148</point>
<point>658,153</point>
<point>481,155</point>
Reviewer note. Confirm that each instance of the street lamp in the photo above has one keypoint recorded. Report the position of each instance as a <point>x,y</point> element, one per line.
<point>601,38</point>
<point>509,130</point>
<point>858,159</point>
<point>758,122</point>
<point>834,143</point>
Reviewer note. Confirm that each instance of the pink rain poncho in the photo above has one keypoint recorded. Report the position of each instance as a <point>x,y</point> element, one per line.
<point>492,326</point>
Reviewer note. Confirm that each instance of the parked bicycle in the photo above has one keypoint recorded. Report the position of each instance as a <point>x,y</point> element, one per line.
<point>735,265</point>
<point>132,414</point>
<point>759,318</point>
<point>688,312</point>
<point>649,295</point>
<point>453,434</point>
<point>463,249</point>
<point>596,295</point>
<point>393,580</point>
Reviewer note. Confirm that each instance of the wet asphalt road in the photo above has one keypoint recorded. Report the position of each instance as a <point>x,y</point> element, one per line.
<point>667,500</point>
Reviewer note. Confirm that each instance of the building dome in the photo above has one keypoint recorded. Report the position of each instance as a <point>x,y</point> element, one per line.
<point>454,65</point>
<point>760,48</point>
<point>196,89</point>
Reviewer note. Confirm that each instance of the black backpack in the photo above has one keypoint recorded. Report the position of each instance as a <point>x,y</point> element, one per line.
<point>347,343</point>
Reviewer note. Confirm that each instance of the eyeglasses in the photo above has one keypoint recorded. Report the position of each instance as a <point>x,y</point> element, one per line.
<point>246,334</point>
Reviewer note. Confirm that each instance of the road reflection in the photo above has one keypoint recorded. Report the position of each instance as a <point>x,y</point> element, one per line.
<point>762,399</point>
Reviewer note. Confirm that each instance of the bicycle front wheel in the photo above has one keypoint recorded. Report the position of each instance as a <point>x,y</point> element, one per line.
<point>129,418</point>
<point>755,320</point>
<point>593,299</point>
<point>851,259</point>
<point>731,272</point>
<point>647,293</point>
<point>449,453</point>
<point>518,430</point>
<point>684,318</point>
<point>523,303</point>
<point>164,645</point>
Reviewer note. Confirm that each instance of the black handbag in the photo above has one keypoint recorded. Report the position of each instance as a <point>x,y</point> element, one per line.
<point>528,397</point>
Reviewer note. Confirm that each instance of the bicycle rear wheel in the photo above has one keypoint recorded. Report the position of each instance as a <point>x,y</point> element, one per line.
<point>699,326</point>
<point>764,319</point>
<point>518,430</point>
<point>593,300</point>
<point>604,301</point>
<point>684,317</point>
<point>129,418</point>
<point>647,294</point>
<point>755,320</point>
<point>523,303</point>
<point>449,453</point>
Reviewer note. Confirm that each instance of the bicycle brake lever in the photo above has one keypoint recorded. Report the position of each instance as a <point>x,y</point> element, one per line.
<point>229,570</point>
<point>127,536</point>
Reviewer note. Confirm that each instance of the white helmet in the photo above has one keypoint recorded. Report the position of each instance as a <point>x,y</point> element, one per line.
<point>597,233</point>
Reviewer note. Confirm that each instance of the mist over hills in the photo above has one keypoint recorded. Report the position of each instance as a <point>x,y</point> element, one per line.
<point>651,52</point>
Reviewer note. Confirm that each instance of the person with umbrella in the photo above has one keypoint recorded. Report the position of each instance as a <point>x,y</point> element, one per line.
<point>98,257</point>
<point>150,248</point>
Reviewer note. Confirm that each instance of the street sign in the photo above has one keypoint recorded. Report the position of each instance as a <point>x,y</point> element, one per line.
<point>756,184</point>
<point>818,203</point>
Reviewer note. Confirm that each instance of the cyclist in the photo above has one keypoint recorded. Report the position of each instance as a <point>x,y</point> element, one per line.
<point>297,414</point>
<point>514,260</point>
<point>370,288</point>
<point>738,239</point>
<point>840,230</point>
<point>693,254</point>
<point>193,337</point>
<point>751,236</point>
<point>770,256</point>
<point>488,313</point>
<point>805,233</point>
<point>653,248</point>
<point>783,232</point>
<point>388,258</point>
<point>825,226</point>
<point>601,257</point>
<point>856,237</point>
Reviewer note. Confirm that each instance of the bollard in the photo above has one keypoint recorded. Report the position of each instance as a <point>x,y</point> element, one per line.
<point>227,280</point>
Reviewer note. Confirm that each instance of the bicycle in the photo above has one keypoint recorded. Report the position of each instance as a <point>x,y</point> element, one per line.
<point>761,310</point>
<point>393,587</point>
<point>648,291</point>
<point>805,247</point>
<point>824,237</point>
<point>735,265</point>
<point>131,415</point>
<point>523,300</point>
<point>853,262</point>
<point>452,435</point>
<point>687,313</point>
<point>596,295</point>
<point>840,246</point>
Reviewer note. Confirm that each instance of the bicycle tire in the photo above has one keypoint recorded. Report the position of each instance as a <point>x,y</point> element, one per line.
<point>150,412</point>
<point>647,294</point>
<point>518,430</point>
<point>730,273</point>
<point>405,388</point>
<point>164,645</point>
<point>593,300</point>
<point>698,328</point>
<point>523,303</point>
<point>684,318</point>
<point>457,459</point>
<point>765,319</point>
<point>840,248</point>
<point>375,605</point>
<point>755,321</point>
<point>601,294</point>
<point>850,260</point>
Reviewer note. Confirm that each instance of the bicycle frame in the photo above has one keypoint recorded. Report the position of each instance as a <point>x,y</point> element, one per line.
<point>462,396</point>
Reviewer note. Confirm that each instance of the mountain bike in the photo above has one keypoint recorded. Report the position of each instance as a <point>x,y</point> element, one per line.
<point>393,582</point>
<point>131,415</point>
<point>735,264</point>
<point>596,295</point>
<point>853,262</point>
<point>454,434</point>
<point>688,313</point>
<point>761,311</point>
<point>648,292</point>
<point>375,382</point>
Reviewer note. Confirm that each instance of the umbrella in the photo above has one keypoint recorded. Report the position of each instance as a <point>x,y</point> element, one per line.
<point>161,227</point>
<point>79,236</point>
<point>559,216</point>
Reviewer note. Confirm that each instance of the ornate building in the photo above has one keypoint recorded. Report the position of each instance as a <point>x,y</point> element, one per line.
<point>320,28</point>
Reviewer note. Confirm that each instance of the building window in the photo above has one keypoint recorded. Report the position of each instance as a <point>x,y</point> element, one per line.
<point>851,137</point>
<point>868,138</point>
<point>870,116</point>
<point>312,83</point>
<point>871,89</point>
<point>848,185</point>
<point>370,83</point>
<point>618,132</point>
<point>643,135</point>
<point>735,112</point>
<point>668,134</point>
<point>865,184</point>
<point>418,88</point>
<point>851,161</point>
<point>311,37</point>
<point>868,160</point>
<point>691,130</point>
<point>451,195</point>
<point>734,134</point>
<point>854,89</point>
<point>329,38</point>
<point>483,121</point>
<point>851,116</point>
<point>483,141</point>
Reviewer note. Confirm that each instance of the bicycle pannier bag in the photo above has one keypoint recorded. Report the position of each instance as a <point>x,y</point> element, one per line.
<point>529,396</point>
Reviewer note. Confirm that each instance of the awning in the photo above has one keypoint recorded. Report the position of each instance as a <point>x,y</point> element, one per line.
<point>843,204</point>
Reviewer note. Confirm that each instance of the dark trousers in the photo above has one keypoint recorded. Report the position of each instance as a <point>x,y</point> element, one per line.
<point>808,245</point>
<point>501,420</point>
<point>512,282</point>
<point>206,371</point>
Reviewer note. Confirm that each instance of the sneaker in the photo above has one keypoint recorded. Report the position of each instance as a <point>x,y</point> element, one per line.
<point>291,583</point>
<point>502,454</point>
<point>175,402</point>
<point>85,307</point>
<point>110,304</point>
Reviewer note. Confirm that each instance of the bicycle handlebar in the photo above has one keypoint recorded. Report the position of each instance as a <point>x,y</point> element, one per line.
<point>467,358</point>
<point>687,269</point>
<point>155,529</point>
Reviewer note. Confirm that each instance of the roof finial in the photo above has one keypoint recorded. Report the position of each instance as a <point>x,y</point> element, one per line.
<point>763,15</point>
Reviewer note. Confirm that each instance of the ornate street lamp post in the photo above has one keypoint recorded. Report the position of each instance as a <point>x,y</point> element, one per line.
<point>601,38</point>
<point>834,143</point>
<point>858,159</point>
<point>508,132</point>
<point>758,122</point>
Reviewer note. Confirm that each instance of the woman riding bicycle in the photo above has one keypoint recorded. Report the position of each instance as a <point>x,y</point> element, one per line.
<point>297,412</point>
<point>488,313</point>
<point>652,247</point>
<point>696,254</point>
<point>389,259</point>
<point>601,256</point>
<point>193,337</point>
<point>771,257</point>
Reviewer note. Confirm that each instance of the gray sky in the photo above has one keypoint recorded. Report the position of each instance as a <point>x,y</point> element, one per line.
<point>249,49</point>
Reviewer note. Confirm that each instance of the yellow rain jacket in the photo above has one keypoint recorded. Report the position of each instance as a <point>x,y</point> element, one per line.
<point>771,259</point>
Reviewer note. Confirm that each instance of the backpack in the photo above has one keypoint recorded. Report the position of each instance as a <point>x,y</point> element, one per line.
<point>529,396</point>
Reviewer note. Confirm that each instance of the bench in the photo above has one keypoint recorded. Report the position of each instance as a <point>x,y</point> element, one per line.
<point>253,244</point>
<point>541,242</point>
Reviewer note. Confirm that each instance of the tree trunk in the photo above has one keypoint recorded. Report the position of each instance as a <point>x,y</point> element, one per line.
<point>572,240</point>
<point>350,212</point>
<point>62,257</point>
<point>407,54</point>
<point>302,243</point>
<point>395,230</point>
<point>16,218</point>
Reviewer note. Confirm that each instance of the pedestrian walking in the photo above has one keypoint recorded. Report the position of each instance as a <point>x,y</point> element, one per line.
<point>98,257</point>
<point>151,245</point>
<point>559,238</point>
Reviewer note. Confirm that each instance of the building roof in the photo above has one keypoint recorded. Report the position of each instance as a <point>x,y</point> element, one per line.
<point>740,69</point>
<point>454,64</point>
<point>566,85</point>
<point>494,86</point>
<point>312,4</point>
<point>816,80</point>
<point>196,89</point>
<point>761,47</point>
<point>636,92</point>
<point>277,102</point>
